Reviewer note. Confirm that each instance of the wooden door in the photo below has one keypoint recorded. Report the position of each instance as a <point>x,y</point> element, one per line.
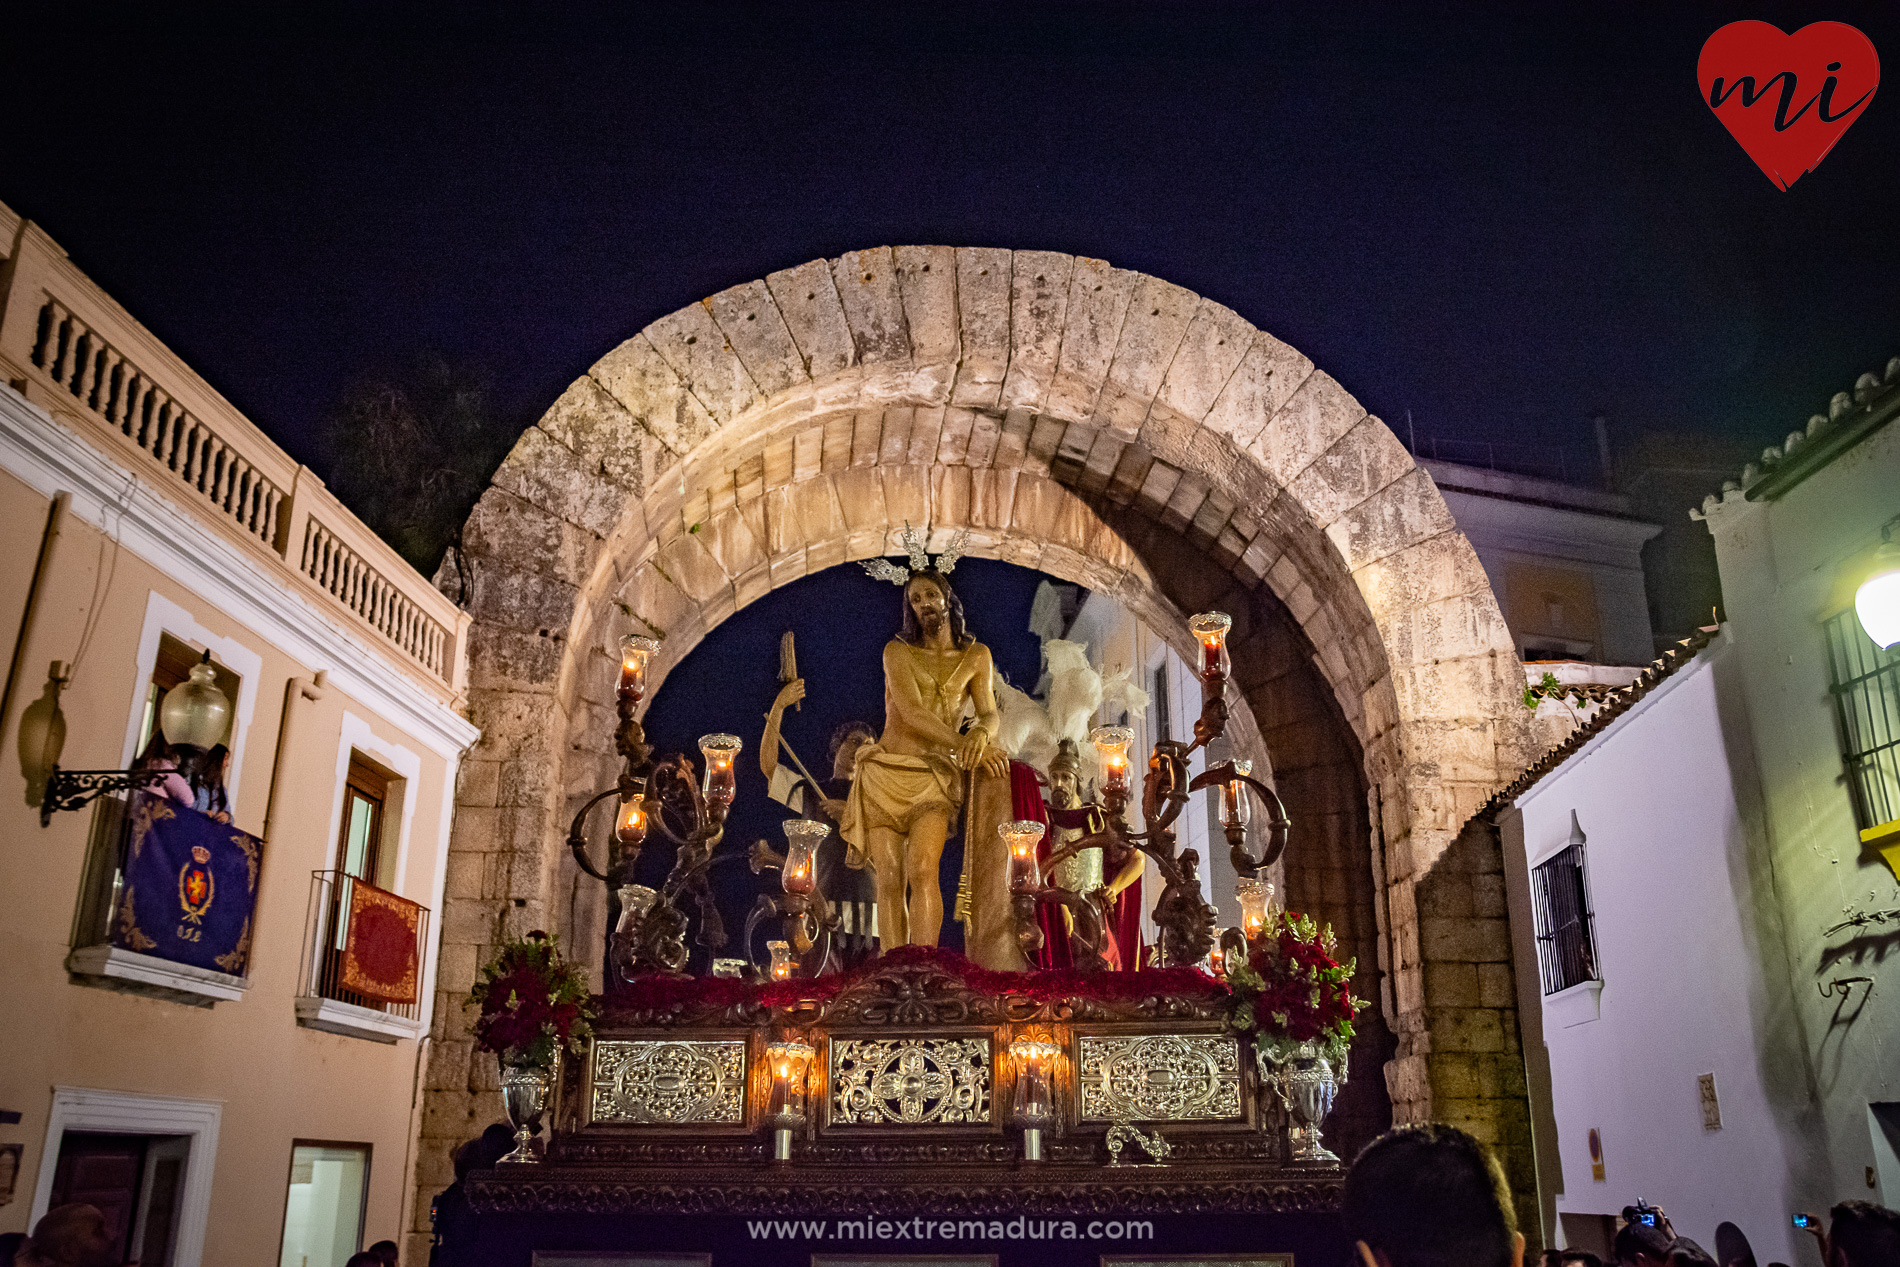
<point>102,1171</point>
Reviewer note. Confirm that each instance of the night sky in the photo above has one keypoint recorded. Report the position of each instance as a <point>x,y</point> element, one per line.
<point>1503,220</point>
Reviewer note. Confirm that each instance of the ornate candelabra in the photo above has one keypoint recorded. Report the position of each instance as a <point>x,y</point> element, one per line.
<point>802,907</point>
<point>688,810</point>
<point>1183,916</point>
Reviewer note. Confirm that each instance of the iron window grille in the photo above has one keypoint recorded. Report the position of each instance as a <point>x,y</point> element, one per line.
<point>1865,684</point>
<point>1566,946</point>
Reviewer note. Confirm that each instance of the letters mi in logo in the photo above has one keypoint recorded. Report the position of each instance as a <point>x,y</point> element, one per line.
<point>195,885</point>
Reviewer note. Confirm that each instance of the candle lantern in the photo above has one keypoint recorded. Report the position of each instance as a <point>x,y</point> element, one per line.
<point>720,781</point>
<point>630,824</point>
<point>1216,961</point>
<point>789,1063</point>
<point>635,652</point>
<point>802,838</point>
<point>1034,1109</point>
<point>1254,897</point>
<point>1111,745</point>
<point>1235,805</point>
<point>781,959</point>
<point>1210,629</point>
<point>1025,871</point>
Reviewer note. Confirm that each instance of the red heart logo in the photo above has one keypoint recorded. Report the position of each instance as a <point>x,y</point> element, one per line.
<point>1787,98</point>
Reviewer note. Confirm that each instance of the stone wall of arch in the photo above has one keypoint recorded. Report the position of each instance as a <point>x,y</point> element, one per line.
<point>1103,425</point>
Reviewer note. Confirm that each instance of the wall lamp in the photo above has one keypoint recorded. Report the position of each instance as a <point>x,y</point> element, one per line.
<point>1877,601</point>
<point>193,717</point>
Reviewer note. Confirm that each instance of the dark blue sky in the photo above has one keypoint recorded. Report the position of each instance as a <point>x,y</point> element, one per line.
<point>1501,218</point>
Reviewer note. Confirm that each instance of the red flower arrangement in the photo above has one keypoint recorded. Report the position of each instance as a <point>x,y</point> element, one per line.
<point>534,1003</point>
<point>1291,989</point>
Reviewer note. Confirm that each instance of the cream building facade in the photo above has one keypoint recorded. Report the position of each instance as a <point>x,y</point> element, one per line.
<point>143,520</point>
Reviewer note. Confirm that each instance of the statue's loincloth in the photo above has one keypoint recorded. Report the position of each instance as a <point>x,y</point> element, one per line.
<point>890,790</point>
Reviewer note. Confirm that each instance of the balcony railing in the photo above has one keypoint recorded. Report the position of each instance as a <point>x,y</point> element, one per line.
<point>356,961</point>
<point>72,350</point>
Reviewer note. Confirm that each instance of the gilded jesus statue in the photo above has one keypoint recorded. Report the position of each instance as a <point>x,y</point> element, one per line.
<point>911,783</point>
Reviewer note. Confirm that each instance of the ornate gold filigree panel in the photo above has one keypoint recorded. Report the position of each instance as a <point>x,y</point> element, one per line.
<point>1160,1078</point>
<point>914,1081</point>
<point>669,1083</point>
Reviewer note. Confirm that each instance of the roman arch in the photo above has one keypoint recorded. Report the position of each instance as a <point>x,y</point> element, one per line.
<point>1102,425</point>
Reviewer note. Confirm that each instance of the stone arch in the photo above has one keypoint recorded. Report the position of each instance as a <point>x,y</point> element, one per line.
<point>1104,425</point>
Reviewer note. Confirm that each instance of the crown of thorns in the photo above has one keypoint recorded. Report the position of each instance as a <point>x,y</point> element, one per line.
<point>897,574</point>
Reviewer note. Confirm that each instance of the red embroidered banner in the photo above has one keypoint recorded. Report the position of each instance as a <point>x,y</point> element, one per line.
<point>379,951</point>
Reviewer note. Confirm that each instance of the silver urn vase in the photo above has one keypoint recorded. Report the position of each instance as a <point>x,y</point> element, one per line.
<point>1302,1078</point>
<point>525,1093</point>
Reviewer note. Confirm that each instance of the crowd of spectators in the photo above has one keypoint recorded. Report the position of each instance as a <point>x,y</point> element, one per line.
<point>1432,1196</point>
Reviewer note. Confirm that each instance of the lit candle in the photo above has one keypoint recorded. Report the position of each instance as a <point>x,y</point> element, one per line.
<point>1111,745</point>
<point>781,959</point>
<point>630,825</point>
<point>1216,960</point>
<point>785,1109</point>
<point>719,782</point>
<point>1022,836</point>
<point>1235,806</point>
<point>635,651</point>
<point>802,838</point>
<point>1034,1108</point>
<point>1254,896</point>
<point>1210,628</point>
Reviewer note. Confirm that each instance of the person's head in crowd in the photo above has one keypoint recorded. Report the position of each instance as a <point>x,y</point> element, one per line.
<point>363,1258</point>
<point>386,1253</point>
<point>68,1236</point>
<point>1684,1252</point>
<point>1640,1245</point>
<point>1429,1195</point>
<point>10,1243</point>
<point>1578,1258</point>
<point>1862,1234</point>
<point>497,1142</point>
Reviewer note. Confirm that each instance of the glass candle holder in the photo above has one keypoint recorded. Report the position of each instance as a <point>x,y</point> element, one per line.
<point>635,901</point>
<point>1255,897</point>
<point>1034,1107</point>
<point>1236,806</point>
<point>788,1063</point>
<point>720,781</point>
<point>630,823</point>
<point>1217,961</point>
<point>1210,630</point>
<point>781,959</point>
<point>802,838</point>
<point>1111,745</point>
<point>1022,837</point>
<point>635,652</point>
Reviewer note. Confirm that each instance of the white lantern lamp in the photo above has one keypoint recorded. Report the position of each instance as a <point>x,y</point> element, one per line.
<point>1877,601</point>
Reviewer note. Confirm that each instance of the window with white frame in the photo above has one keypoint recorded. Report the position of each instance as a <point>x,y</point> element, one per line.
<point>1566,941</point>
<point>1865,684</point>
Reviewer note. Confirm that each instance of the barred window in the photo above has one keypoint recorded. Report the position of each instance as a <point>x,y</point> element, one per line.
<point>1566,946</point>
<point>1865,683</point>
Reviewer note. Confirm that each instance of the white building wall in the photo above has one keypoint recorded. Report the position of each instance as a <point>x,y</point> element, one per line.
<point>1672,887</point>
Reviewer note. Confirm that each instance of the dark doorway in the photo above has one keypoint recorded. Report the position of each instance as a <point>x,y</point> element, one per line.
<point>136,1181</point>
<point>103,1171</point>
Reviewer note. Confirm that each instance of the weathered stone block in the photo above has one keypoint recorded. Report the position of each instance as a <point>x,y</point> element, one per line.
<point>983,303</point>
<point>1039,303</point>
<point>868,289</point>
<point>1468,940</point>
<point>1157,318</point>
<point>807,301</point>
<point>1098,303</point>
<point>1359,464</point>
<point>636,375</point>
<point>1260,386</point>
<point>752,325</point>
